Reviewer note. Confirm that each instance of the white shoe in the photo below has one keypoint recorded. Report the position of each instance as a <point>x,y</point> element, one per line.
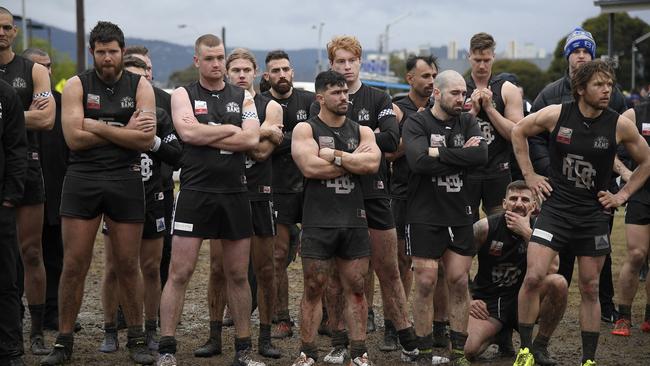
<point>303,360</point>
<point>439,360</point>
<point>362,360</point>
<point>166,359</point>
<point>336,355</point>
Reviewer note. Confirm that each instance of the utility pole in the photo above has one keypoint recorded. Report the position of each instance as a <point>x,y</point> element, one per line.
<point>81,38</point>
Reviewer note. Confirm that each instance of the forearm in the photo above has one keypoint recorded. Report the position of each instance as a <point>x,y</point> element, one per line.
<point>360,163</point>
<point>387,141</point>
<point>392,156</point>
<point>262,151</point>
<point>83,140</point>
<point>501,124</point>
<point>243,140</point>
<point>125,137</point>
<point>40,119</point>
<point>521,151</point>
<point>637,180</point>
<point>169,152</point>
<point>201,135</point>
<point>318,168</point>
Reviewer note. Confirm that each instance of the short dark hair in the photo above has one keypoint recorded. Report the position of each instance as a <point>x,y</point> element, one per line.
<point>208,40</point>
<point>105,32</point>
<point>517,185</point>
<point>481,41</point>
<point>134,61</point>
<point>136,50</point>
<point>327,79</point>
<point>276,55</point>
<point>32,51</point>
<point>413,60</point>
<point>585,72</point>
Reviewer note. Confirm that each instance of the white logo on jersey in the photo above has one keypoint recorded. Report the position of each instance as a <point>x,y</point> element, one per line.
<point>249,162</point>
<point>505,274</point>
<point>301,115</point>
<point>145,167</point>
<point>233,107</point>
<point>601,142</point>
<point>364,115</point>
<point>127,102</point>
<point>452,183</point>
<point>341,185</point>
<point>19,83</point>
<point>486,129</point>
<point>0,110</point>
<point>575,169</point>
<point>437,140</point>
<point>459,140</point>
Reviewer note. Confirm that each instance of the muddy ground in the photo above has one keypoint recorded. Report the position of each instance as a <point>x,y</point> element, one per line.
<point>565,345</point>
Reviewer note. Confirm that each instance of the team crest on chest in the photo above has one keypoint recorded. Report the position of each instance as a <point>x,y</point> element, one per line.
<point>19,83</point>
<point>364,115</point>
<point>352,144</point>
<point>601,142</point>
<point>301,115</point>
<point>564,135</point>
<point>459,140</point>
<point>127,102</point>
<point>93,101</point>
<point>645,129</point>
<point>233,107</point>
<point>326,141</point>
<point>200,107</point>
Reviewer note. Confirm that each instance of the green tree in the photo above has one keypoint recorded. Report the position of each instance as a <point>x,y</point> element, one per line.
<point>183,77</point>
<point>62,65</point>
<point>626,30</point>
<point>398,66</point>
<point>531,78</point>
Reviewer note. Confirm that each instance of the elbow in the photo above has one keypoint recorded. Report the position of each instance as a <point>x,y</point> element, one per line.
<point>251,141</point>
<point>309,173</point>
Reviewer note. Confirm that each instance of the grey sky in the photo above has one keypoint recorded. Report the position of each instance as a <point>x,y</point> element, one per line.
<point>288,24</point>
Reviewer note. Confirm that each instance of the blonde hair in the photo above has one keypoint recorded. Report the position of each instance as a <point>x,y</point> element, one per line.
<point>242,53</point>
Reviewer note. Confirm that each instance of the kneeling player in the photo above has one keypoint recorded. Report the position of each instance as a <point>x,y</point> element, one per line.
<point>502,240</point>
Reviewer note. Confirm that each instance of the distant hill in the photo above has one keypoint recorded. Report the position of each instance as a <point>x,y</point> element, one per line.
<point>168,57</point>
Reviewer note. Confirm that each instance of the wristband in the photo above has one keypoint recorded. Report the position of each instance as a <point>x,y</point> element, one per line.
<point>156,144</point>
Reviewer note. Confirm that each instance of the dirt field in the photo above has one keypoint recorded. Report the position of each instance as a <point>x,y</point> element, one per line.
<point>565,345</point>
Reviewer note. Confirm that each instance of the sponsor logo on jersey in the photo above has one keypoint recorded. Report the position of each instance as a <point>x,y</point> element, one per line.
<point>504,166</point>
<point>19,83</point>
<point>379,184</point>
<point>452,183</point>
<point>326,141</point>
<point>146,164</point>
<point>160,224</point>
<point>93,101</point>
<point>496,248</point>
<point>577,170</point>
<point>33,155</point>
<point>645,129</point>
<point>363,115</point>
<point>601,142</point>
<point>233,107</point>
<point>564,135</point>
<point>361,213</point>
<point>437,140</point>
<point>183,226</point>
<point>341,185</point>
<point>200,107</point>
<point>543,234</point>
<point>160,196</point>
<point>264,189</point>
<point>127,102</point>
<point>301,115</point>
<point>486,129</point>
<point>458,140</point>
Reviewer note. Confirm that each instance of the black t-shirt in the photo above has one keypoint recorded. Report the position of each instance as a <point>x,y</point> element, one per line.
<point>259,174</point>
<point>582,154</point>
<point>169,152</point>
<point>338,202</point>
<point>373,108</point>
<point>13,145</point>
<point>54,156</point>
<point>642,116</point>
<point>437,194</point>
<point>498,147</point>
<point>501,262</point>
<point>113,104</point>
<point>204,168</point>
<point>164,101</point>
<point>18,73</point>
<point>399,179</point>
<point>286,175</point>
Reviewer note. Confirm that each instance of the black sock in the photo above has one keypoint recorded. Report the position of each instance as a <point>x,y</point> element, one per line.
<point>425,344</point>
<point>589,345</point>
<point>625,311</point>
<point>310,350</point>
<point>283,316</point>
<point>357,349</point>
<point>135,331</point>
<point>540,342</point>
<point>458,340</point>
<point>439,327</point>
<point>242,344</point>
<point>150,325</point>
<point>340,338</point>
<point>647,313</point>
<point>110,327</point>
<point>37,312</point>
<point>526,335</point>
<point>66,340</point>
<point>167,344</point>
<point>215,329</point>
<point>265,332</point>
<point>407,338</point>
<point>389,326</point>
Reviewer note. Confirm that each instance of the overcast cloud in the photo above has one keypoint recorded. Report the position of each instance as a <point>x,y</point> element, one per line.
<point>289,24</point>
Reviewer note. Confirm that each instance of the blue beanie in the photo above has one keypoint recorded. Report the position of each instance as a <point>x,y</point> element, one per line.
<point>580,38</point>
